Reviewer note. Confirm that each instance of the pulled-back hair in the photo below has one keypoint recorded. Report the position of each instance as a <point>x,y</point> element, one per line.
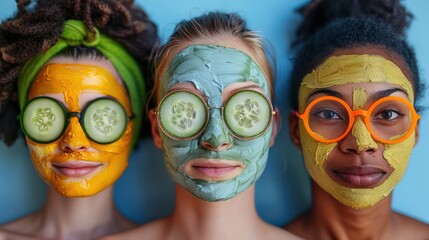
<point>330,25</point>
<point>208,27</point>
<point>37,27</point>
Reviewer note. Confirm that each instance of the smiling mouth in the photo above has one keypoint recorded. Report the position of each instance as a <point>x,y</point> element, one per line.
<point>360,177</point>
<point>213,170</point>
<point>76,168</point>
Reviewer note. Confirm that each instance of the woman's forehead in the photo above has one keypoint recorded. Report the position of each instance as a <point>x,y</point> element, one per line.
<point>100,62</point>
<point>378,51</point>
<point>343,70</point>
<point>211,67</point>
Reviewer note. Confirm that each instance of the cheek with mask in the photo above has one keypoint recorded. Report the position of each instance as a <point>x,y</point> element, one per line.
<point>73,164</point>
<point>340,70</point>
<point>210,69</point>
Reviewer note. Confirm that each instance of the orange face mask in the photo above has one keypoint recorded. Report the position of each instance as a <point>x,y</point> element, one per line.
<point>74,165</point>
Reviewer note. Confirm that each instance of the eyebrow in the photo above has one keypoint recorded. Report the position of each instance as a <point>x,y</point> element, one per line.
<point>251,87</point>
<point>387,92</point>
<point>374,97</point>
<point>326,91</point>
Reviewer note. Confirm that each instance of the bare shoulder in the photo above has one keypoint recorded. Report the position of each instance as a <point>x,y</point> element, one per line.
<point>21,228</point>
<point>299,226</point>
<point>274,233</point>
<point>152,230</point>
<point>6,235</point>
<point>411,228</point>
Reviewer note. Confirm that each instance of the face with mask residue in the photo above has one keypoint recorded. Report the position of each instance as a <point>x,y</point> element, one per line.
<point>74,165</point>
<point>357,170</point>
<point>214,166</point>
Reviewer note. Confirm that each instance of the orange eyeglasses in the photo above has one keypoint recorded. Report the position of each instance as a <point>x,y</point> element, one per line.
<point>389,120</point>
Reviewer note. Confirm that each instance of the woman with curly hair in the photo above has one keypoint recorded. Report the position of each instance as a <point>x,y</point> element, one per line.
<point>72,71</point>
<point>353,89</point>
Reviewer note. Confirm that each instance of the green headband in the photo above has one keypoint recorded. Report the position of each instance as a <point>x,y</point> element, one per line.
<point>75,33</point>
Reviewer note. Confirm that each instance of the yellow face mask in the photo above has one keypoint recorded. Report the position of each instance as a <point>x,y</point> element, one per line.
<point>74,165</point>
<point>341,70</point>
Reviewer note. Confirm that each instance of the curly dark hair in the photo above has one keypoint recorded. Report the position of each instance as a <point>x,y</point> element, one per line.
<point>329,25</point>
<point>36,27</point>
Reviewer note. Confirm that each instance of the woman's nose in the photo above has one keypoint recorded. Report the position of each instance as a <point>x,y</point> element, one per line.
<point>216,137</point>
<point>359,139</point>
<point>74,138</point>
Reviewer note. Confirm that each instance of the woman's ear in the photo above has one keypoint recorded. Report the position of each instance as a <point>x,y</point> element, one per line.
<point>416,132</point>
<point>294,130</point>
<point>276,126</point>
<point>154,129</point>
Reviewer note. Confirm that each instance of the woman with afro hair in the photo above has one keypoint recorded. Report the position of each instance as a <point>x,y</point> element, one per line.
<point>354,88</point>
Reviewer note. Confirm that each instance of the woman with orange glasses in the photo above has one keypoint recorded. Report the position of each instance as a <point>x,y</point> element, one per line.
<point>329,119</point>
<point>353,88</point>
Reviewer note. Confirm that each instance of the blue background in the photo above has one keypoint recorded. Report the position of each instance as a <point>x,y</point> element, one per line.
<point>145,191</point>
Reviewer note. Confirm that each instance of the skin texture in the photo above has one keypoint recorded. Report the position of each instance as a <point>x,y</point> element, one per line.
<point>359,78</point>
<point>61,217</point>
<point>235,218</point>
<point>229,70</point>
<point>75,85</point>
<point>356,211</point>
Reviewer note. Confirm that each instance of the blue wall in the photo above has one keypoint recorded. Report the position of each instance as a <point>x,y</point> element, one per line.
<point>145,191</point>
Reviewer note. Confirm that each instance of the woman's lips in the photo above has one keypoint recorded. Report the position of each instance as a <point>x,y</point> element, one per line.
<point>213,170</point>
<point>360,176</point>
<point>76,168</point>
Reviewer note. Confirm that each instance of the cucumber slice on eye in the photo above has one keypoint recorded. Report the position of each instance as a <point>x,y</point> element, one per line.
<point>43,119</point>
<point>104,120</point>
<point>182,115</point>
<point>247,114</point>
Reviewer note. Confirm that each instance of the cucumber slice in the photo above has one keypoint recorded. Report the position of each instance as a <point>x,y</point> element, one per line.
<point>43,119</point>
<point>182,115</point>
<point>104,120</point>
<point>247,114</point>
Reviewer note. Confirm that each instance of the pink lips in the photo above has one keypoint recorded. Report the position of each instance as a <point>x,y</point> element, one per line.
<point>213,170</point>
<point>360,176</point>
<point>76,169</point>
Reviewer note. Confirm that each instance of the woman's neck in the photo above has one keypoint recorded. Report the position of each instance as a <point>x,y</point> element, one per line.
<point>194,219</point>
<point>74,218</point>
<point>235,218</point>
<point>333,220</point>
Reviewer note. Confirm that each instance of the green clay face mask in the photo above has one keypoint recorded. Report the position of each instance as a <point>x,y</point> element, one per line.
<point>211,69</point>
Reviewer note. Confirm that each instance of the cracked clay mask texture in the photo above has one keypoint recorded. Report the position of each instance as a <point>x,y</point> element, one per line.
<point>211,69</point>
<point>340,70</point>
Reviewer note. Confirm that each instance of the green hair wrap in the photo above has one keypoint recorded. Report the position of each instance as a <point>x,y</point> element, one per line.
<point>75,33</point>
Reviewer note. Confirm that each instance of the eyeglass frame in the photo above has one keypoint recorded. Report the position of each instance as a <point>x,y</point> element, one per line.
<point>69,115</point>
<point>222,110</point>
<point>352,118</point>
